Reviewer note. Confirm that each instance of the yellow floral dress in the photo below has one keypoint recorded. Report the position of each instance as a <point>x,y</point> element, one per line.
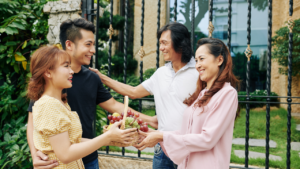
<point>51,117</point>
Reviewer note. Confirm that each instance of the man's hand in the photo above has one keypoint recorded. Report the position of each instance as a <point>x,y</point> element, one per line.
<point>41,161</point>
<point>152,138</point>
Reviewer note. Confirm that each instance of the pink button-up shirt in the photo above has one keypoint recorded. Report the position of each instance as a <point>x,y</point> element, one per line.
<point>204,141</point>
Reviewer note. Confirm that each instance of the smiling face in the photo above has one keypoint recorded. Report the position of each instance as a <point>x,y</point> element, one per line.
<point>62,74</point>
<point>207,64</point>
<point>83,49</point>
<point>167,48</point>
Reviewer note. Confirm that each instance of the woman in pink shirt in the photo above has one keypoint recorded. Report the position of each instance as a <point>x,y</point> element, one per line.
<point>204,141</point>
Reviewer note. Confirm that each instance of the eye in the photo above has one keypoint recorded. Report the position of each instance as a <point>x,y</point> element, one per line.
<point>88,44</point>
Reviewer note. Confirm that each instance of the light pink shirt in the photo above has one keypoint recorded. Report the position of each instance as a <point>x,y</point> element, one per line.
<point>204,141</point>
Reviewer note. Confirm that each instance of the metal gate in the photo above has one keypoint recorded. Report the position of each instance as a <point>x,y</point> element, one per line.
<point>89,12</point>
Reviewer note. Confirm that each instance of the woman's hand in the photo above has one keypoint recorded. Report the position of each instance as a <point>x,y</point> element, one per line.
<point>122,136</point>
<point>152,138</point>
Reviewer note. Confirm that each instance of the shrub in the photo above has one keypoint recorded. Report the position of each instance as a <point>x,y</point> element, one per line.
<point>281,45</point>
<point>23,29</point>
<point>257,93</point>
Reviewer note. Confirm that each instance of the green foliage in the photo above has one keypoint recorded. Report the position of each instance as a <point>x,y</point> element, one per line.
<point>257,93</point>
<point>118,24</point>
<point>261,5</point>
<point>148,73</point>
<point>102,3</point>
<point>14,150</point>
<point>281,46</point>
<point>240,69</point>
<point>117,59</point>
<point>23,29</point>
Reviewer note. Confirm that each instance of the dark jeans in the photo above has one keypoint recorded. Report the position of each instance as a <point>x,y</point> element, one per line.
<point>160,160</point>
<point>92,165</point>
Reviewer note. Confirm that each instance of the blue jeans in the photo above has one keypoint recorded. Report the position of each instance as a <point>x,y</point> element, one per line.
<point>160,160</point>
<point>92,165</point>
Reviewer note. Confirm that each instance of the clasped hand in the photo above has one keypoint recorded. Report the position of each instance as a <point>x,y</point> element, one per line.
<point>148,139</point>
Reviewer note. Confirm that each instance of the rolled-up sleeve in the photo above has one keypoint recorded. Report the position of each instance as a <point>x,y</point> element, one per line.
<point>223,113</point>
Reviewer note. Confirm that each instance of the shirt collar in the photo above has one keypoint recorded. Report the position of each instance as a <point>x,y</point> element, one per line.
<point>191,64</point>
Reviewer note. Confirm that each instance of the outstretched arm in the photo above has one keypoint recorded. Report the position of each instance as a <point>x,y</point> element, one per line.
<point>67,152</point>
<point>130,91</point>
<point>112,106</point>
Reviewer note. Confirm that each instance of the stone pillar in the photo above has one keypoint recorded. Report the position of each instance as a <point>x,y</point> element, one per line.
<point>279,82</point>
<point>59,12</point>
<point>150,28</point>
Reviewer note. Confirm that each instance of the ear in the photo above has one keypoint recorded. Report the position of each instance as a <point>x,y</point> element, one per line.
<point>47,74</point>
<point>220,60</point>
<point>69,45</point>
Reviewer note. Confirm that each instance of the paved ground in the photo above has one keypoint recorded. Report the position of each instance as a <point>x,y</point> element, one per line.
<point>254,142</point>
<point>241,154</point>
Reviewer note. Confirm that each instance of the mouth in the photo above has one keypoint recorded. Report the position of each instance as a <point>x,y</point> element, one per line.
<point>201,71</point>
<point>89,56</point>
<point>70,79</point>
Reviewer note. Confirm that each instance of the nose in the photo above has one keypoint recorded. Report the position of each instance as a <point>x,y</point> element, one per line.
<point>93,49</point>
<point>161,48</point>
<point>71,71</point>
<point>198,65</point>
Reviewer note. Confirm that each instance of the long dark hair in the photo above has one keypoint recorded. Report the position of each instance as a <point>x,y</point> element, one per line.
<point>181,40</point>
<point>216,48</point>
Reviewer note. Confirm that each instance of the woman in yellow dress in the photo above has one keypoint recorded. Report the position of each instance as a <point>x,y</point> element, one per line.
<point>57,129</point>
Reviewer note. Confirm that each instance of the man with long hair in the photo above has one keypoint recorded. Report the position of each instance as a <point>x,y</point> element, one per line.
<point>77,39</point>
<point>170,84</point>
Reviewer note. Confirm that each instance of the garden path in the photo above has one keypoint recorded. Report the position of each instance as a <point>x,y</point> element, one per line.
<point>252,154</point>
<point>254,142</point>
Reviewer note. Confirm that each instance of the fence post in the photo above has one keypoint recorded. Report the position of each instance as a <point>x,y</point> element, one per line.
<point>125,49</point>
<point>158,27</point>
<point>248,54</point>
<point>268,87</point>
<point>193,25</point>
<point>289,100</point>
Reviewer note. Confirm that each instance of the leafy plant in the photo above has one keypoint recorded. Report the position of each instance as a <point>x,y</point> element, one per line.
<point>148,73</point>
<point>14,150</point>
<point>281,46</point>
<point>23,29</point>
<point>257,76</point>
<point>257,93</point>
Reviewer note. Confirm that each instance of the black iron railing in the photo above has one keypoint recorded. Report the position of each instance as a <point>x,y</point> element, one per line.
<point>88,12</point>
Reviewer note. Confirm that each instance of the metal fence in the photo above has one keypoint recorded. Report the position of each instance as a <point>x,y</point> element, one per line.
<point>89,12</point>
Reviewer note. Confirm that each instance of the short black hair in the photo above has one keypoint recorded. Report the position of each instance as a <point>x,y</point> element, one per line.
<point>181,39</point>
<point>70,30</point>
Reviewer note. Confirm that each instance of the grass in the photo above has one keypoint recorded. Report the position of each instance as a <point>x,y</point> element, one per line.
<point>278,129</point>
